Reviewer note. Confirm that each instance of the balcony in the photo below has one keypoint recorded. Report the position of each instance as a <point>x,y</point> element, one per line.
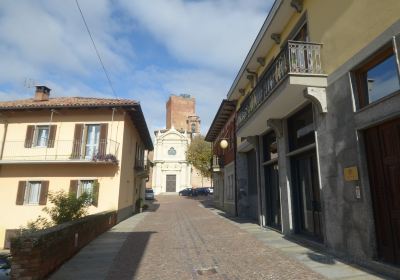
<point>217,164</point>
<point>280,89</point>
<point>139,165</point>
<point>60,151</point>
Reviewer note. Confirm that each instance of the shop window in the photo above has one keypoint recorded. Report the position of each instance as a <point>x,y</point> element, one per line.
<point>378,77</point>
<point>301,128</point>
<point>270,146</point>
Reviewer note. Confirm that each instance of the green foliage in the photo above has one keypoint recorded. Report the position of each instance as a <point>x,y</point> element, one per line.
<point>65,208</point>
<point>199,154</point>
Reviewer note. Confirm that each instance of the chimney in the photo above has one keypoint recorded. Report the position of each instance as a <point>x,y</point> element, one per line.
<point>42,93</point>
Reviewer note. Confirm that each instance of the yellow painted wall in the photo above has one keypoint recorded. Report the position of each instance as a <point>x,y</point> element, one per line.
<point>344,27</point>
<point>130,181</point>
<point>115,191</point>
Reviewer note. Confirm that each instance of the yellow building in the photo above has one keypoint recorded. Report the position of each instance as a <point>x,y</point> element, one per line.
<point>72,144</point>
<point>318,104</point>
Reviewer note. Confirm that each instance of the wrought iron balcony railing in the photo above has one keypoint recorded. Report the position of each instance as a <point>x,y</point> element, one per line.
<point>217,163</point>
<point>300,58</point>
<point>60,150</point>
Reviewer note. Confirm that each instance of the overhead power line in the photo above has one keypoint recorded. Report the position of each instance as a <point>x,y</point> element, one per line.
<point>95,48</point>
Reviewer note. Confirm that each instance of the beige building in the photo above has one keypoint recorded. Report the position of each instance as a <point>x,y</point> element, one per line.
<point>73,144</point>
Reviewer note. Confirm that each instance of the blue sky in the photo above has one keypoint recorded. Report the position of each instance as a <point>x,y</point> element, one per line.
<point>151,49</point>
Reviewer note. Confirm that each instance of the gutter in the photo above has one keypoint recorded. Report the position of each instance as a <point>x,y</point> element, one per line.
<point>255,45</point>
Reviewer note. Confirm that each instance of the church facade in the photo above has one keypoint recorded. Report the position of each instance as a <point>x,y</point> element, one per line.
<point>171,171</point>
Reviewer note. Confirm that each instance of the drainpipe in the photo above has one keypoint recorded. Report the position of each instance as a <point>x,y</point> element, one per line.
<point>3,142</point>
<point>235,163</point>
<point>51,120</point>
<point>111,130</point>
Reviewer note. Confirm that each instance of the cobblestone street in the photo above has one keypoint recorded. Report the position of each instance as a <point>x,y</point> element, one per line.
<point>182,240</point>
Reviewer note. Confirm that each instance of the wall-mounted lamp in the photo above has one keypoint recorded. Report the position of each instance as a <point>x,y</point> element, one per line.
<point>223,144</point>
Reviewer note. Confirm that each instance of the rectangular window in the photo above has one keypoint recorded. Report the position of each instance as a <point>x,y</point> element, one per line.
<point>85,186</point>
<point>301,128</point>
<point>32,192</point>
<point>378,77</point>
<point>41,135</point>
<point>92,140</point>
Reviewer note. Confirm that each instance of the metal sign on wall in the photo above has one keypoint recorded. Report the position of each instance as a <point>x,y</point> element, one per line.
<point>351,173</point>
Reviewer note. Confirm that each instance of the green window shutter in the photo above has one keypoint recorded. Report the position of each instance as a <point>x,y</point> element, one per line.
<point>21,193</point>
<point>96,186</point>
<point>103,139</point>
<point>44,190</point>
<point>77,144</point>
<point>73,186</point>
<point>30,130</point>
<point>52,136</point>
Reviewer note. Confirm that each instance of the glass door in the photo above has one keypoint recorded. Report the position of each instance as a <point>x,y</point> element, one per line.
<point>307,195</point>
<point>273,197</point>
<point>92,141</point>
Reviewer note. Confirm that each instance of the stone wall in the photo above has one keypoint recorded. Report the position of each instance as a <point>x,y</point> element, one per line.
<point>36,255</point>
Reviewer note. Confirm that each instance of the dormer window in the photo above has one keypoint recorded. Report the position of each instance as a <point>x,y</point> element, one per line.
<point>171,151</point>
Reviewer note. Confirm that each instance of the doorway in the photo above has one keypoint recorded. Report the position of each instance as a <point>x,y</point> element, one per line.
<point>171,183</point>
<point>383,157</point>
<point>273,197</point>
<point>307,195</point>
<point>271,175</point>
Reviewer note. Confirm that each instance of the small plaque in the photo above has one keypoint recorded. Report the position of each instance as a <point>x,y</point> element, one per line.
<point>351,173</point>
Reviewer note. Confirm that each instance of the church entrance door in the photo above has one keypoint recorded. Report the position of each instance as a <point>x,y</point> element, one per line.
<point>171,183</point>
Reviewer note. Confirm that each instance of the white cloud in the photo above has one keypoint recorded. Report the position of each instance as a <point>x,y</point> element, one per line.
<point>46,40</point>
<point>210,33</point>
<point>45,37</point>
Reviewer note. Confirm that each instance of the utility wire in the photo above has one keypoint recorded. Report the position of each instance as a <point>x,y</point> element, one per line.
<point>95,48</point>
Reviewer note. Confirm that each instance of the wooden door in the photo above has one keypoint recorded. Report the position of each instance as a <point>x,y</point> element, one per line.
<point>171,183</point>
<point>383,154</point>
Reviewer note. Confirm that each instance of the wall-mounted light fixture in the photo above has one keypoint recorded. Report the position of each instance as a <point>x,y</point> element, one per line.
<point>223,144</point>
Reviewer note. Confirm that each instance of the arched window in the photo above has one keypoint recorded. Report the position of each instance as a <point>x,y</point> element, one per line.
<point>193,127</point>
<point>171,151</point>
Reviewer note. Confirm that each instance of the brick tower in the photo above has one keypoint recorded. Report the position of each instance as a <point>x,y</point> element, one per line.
<point>181,113</point>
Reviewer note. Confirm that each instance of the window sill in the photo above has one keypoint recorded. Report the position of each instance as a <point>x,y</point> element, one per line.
<point>32,204</point>
<point>377,102</point>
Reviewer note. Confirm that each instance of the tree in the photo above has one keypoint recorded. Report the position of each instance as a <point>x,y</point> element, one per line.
<point>199,154</point>
<point>66,207</point>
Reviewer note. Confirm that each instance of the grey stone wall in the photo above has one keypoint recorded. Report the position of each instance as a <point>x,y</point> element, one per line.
<point>242,185</point>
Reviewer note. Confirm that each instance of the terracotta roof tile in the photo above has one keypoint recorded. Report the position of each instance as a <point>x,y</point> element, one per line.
<point>66,102</point>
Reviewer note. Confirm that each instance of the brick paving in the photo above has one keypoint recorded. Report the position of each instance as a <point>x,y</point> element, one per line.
<point>181,240</point>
